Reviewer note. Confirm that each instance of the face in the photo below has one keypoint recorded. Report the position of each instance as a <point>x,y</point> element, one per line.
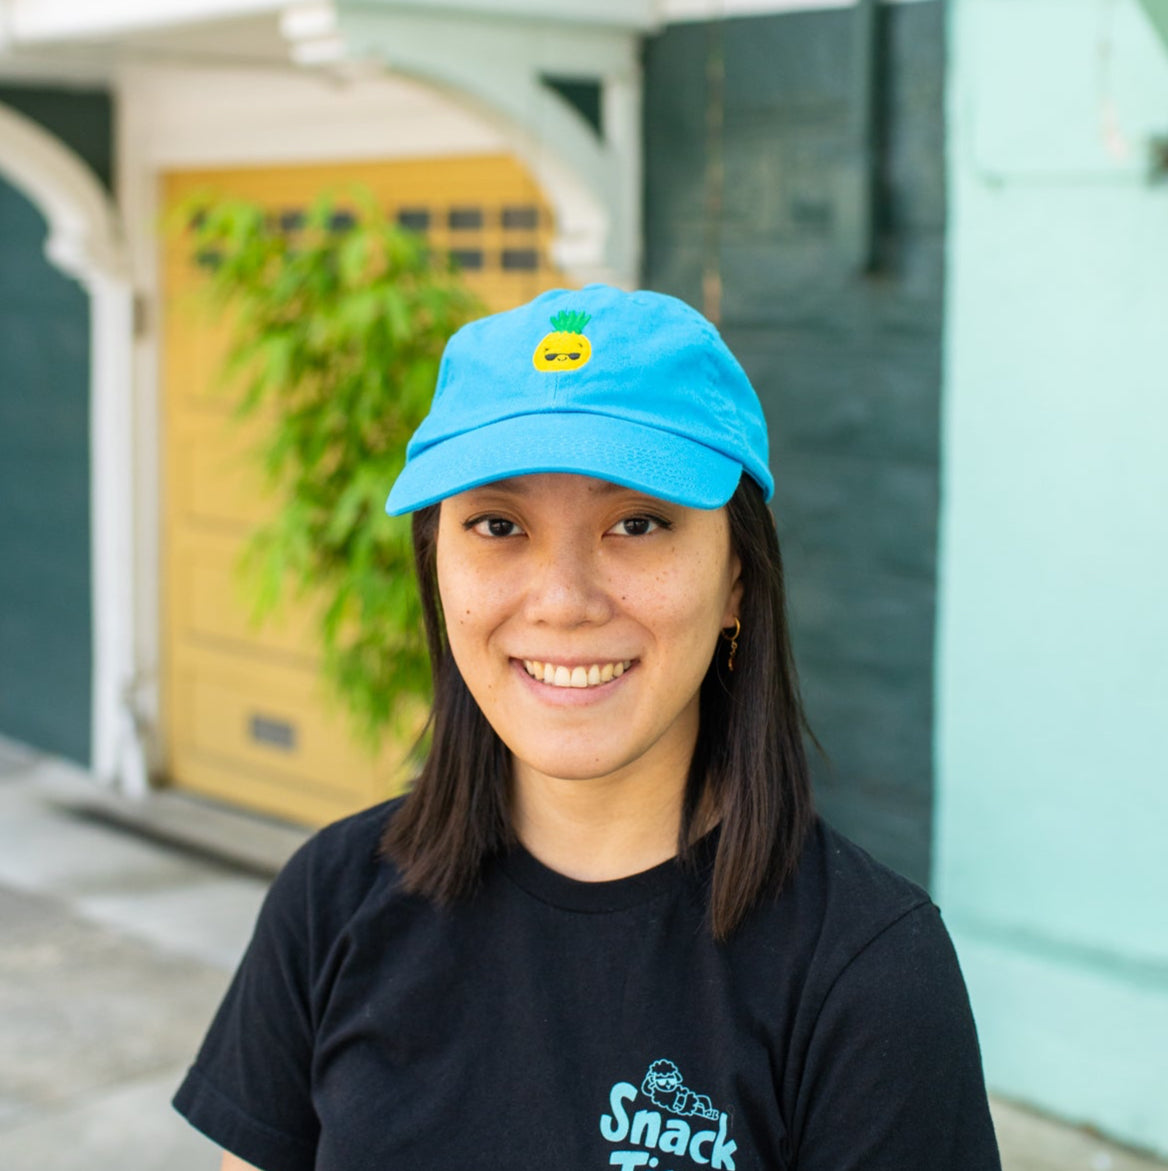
<point>583,617</point>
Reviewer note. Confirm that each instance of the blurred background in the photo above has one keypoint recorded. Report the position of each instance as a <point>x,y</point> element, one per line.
<point>935,232</point>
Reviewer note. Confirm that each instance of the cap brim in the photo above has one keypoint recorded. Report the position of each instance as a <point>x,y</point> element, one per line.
<point>646,459</point>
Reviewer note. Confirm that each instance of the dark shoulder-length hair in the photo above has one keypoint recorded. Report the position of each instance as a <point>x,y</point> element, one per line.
<point>750,754</point>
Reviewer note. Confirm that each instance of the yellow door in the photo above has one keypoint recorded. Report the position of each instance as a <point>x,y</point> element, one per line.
<point>246,717</point>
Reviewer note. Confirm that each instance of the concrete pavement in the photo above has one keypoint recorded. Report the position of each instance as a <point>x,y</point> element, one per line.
<point>114,950</point>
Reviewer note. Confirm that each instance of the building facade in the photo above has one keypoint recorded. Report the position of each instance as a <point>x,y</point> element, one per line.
<point>935,233</point>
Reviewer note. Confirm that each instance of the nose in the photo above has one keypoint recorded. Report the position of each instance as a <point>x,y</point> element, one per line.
<point>567,588</point>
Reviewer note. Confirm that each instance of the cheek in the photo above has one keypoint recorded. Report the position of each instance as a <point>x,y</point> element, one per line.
<point>450,591</point>
<point>466,633</point>
<point>475,606</point>
<point>460,608</point>
<point>683,602</point>
<point>458,604</point>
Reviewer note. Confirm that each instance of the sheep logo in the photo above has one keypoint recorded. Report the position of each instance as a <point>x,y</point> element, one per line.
<point>706,1142</point>
<point>664,1087</point>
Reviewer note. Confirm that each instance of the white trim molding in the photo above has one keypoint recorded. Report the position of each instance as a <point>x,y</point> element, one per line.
<point>85,242</point>
<point>33,21</point>
<point>83,233</point>
<point>493,66</point>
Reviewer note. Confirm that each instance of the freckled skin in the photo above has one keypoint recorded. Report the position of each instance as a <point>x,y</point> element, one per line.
<point>570,583</point>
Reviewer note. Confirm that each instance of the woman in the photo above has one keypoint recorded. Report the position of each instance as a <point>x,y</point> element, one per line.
<point>605,928</point>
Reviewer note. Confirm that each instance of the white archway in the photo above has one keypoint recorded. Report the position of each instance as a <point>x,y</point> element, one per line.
<point>85,242</point>
<point>495,67</point>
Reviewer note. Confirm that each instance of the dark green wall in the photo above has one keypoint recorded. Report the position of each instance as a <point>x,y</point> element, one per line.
<point>45,600</point>
<point>847,364</point>
<point>82,119</point>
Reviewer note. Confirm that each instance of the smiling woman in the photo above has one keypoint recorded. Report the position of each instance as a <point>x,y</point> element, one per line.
<point>605,927</point>
<point>619,597</point>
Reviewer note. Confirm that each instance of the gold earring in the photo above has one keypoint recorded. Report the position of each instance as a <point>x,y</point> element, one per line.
<point>732,639</point>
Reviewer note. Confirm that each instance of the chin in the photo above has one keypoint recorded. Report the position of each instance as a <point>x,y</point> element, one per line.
<point>568,768</point>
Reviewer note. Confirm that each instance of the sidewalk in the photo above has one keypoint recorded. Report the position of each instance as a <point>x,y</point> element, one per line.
<point>114,951</point>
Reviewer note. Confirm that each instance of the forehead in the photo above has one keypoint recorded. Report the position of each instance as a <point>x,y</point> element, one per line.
<point>554,485</point>
<point>536,482</point>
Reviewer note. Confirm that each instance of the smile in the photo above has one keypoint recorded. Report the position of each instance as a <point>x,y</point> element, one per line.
<point>559,676</point>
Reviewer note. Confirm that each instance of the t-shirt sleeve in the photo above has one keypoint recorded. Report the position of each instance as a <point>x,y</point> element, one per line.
<point>250,1087</point>
<point>893,1078</point>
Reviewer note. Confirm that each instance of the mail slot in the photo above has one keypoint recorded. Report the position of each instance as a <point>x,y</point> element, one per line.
<point>272,731</point>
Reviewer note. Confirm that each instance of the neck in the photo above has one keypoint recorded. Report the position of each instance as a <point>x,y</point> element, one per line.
<point>599,828</point>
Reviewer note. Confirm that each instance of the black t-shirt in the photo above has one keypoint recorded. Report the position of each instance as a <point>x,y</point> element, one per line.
<point>552,1024</point>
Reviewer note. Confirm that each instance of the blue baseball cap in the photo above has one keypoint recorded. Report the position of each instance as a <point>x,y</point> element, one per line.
<point>635,388</point>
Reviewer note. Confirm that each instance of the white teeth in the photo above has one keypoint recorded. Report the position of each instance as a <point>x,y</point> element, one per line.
<point>591,676</point>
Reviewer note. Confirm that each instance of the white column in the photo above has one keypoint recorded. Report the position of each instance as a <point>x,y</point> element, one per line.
<point>621,115</point>
<point>118,757</point>
<point>85,242</point>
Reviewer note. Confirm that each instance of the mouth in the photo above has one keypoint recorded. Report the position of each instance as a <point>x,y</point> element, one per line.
<point>560,675</point>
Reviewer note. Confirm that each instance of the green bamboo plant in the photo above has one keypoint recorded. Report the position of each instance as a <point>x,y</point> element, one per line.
<point>339,325</point>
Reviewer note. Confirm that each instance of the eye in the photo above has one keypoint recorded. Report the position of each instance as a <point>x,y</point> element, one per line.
<point>638,526</point>
<point>493,526</point>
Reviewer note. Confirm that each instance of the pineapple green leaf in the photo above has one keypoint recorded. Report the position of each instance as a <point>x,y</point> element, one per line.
<point>570,321</point>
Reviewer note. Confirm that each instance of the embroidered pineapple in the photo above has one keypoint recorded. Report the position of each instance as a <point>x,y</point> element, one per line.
<point>566,348</point>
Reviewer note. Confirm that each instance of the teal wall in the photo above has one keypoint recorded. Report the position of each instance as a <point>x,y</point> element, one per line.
<point>1051,848</point>
<point>45,590</point>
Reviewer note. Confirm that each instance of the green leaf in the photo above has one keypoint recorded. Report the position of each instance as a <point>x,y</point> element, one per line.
<point>337,334</point>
